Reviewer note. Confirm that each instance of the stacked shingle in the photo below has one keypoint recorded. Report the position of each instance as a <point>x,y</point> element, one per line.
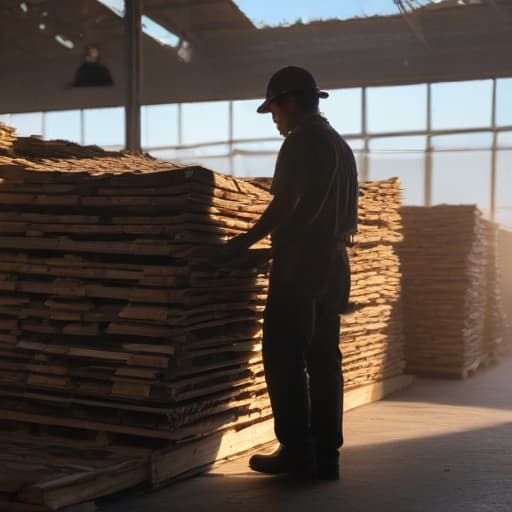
<point>7,137</point>
<point>371,335</point>
<point>451,289</point>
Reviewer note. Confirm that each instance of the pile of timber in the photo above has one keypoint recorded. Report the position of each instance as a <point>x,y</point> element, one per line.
<point>112,326</point>
<point>451,290</point>
<point>371,338</point>
<point>35,148</point>
<point>505,269</point>
<point>492,295</point>
<point>106,320</point>
<point>7,137</point>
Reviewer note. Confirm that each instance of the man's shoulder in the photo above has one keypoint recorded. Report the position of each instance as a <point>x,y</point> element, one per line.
<point>310,133</point>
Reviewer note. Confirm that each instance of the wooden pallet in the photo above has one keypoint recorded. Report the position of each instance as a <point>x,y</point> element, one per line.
<point>82,465</point>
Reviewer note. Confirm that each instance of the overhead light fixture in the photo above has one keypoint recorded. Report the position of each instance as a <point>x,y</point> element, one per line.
<point>92,73</point>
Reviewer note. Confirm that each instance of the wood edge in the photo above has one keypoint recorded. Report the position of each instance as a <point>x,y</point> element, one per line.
<point>369,393</point>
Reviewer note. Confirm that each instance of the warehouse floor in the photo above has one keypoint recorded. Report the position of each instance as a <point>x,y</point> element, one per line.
<point>439,446</point>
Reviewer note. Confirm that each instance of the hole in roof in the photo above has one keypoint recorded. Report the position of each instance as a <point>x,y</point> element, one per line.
<point>291,12</point>
<point>159,33</point>
<point>67,43</point>
<point>116,6</point>
<point>24,6</point>
<point>150,27</point>
<point>42,26</point>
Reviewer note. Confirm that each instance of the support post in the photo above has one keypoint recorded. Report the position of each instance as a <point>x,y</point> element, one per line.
<point>133,33</point>
<point>364,174</point>
<point>230,145</point>
<point>428,151</point>
<point>493,153</point>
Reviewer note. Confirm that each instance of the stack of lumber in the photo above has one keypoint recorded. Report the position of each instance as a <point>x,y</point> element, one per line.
<point>104,317</point>
<point>444,278</point>
<point>113,325</point>
<point>36,148</point>
<point>371,338</point>
<point>7,137</point>
<point>494,313</point>
<point>505,269</point>
<point>371,335</point>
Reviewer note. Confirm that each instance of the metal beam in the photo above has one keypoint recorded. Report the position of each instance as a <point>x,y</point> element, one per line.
<point>133,31</point>
<point>231,136</point>
<point>428,151</point>
<point>364,174</point>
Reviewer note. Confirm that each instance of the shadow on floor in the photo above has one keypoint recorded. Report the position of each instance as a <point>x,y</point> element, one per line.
<point>468,471</point>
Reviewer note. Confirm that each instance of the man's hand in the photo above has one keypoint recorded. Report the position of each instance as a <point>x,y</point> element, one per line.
<point>221,255</point>
<point>235,248</point>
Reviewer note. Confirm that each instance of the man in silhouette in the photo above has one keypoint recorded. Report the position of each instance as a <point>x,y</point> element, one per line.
<point>311,217</point>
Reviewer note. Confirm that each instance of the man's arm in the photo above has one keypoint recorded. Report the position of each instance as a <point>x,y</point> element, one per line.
<point>279,209</point>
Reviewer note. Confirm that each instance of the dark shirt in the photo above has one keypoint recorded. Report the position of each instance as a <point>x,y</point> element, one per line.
<point>319,166</point>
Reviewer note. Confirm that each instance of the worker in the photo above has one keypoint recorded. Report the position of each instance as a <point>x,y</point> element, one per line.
<point>311,216</point>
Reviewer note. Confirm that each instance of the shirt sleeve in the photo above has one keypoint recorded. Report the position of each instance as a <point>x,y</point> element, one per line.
<point>292,166</point>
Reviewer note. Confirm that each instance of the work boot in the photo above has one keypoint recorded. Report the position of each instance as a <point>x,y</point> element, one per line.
<point>328,466</point>
<point>297,463</point>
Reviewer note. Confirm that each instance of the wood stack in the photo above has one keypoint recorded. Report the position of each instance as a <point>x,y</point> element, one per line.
<point>35,147</point>
<point>371,335</point>
<point>444,276</point>
<point>114,330</point>
<point>494,313</point>
<point>102,309</point>
<point>7,137</point>
<point>505,269</point>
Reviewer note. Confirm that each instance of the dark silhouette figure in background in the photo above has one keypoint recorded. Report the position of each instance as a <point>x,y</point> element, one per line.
<point>311,218</point>
<point>91,73</point>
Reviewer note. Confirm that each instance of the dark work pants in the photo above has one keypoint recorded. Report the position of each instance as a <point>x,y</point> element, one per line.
<point>301,354</point>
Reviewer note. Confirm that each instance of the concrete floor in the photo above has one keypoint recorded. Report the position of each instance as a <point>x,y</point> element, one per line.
<point>439,446</point>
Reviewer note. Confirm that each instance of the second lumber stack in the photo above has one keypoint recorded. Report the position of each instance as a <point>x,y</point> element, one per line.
<point>450,290</point>
<point>371,336</point>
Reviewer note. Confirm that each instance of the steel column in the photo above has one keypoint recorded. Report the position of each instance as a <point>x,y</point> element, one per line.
<point>133,33</point>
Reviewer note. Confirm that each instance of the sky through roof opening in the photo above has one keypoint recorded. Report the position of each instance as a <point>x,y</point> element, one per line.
<point>288,12</point>
<point>150,27</point>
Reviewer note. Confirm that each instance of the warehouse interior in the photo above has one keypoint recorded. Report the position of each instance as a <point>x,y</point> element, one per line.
<point>130,369</point>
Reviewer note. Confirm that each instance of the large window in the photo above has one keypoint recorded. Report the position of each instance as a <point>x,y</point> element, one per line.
<point>397,109</point>
<point>160,126</point>
<point>343,109</point>
<point>248,124</point>
<point>461,104</point>
<point>504,187</point>
<point>462,156</point>
<point>63,125</point>
<point>27,124</point>
<point>504,102</point>
<point>104,127</point>
<point>205,122</point>
<point>401,157</point>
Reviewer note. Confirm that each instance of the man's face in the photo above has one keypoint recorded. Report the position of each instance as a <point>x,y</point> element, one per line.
<point>284,115</point>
